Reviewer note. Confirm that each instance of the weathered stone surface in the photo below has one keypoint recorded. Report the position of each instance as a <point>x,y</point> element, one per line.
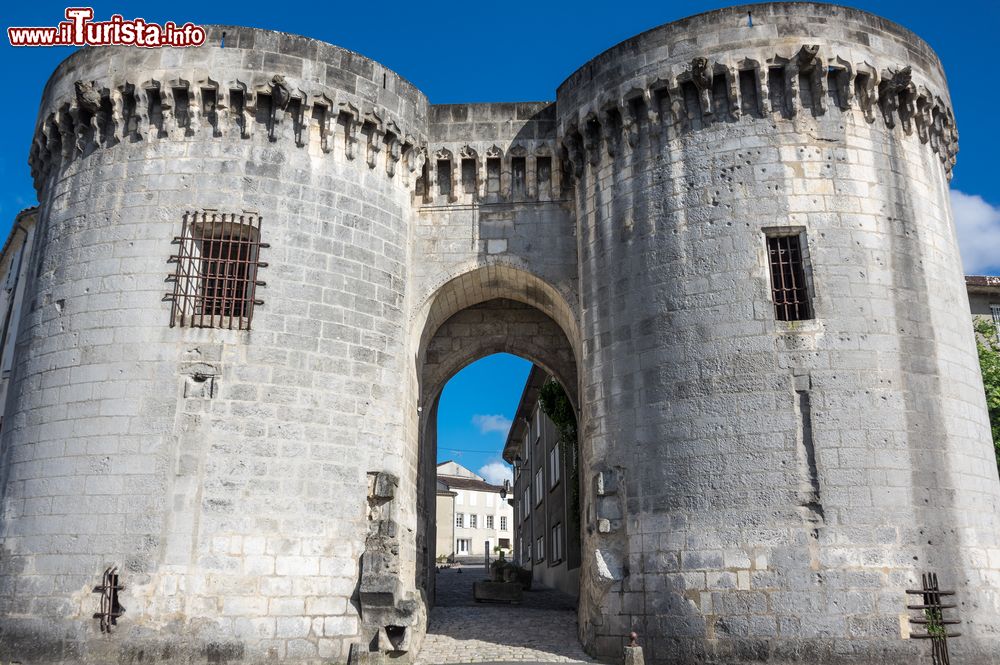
<point>503,592</point>
<point>755,489</point>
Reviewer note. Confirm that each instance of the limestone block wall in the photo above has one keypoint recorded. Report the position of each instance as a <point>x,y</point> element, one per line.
<point>753,489</point>
<point>762,489</point>
<point>226,473</point>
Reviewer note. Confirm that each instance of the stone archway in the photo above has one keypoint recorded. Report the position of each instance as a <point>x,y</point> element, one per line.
<point>492,309</point>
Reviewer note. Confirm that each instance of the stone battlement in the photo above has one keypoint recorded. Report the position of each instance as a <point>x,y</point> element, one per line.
<point>703,91</point>
<point>728,237</point>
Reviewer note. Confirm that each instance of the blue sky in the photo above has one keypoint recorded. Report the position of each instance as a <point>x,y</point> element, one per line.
<point>520,51</point>
<point>476,410</point>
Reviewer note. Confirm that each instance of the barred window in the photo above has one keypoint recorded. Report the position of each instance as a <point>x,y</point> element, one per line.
<point>995,311</point>
<point>788,278</point>
<point>215,281</point>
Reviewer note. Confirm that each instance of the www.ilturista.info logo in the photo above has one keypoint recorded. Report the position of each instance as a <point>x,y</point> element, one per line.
<point>79,29</point>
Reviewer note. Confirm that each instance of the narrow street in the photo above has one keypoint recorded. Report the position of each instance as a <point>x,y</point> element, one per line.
<point>542,628</point>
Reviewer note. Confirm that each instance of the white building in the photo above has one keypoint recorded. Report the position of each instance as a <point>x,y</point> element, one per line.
<point>483,519</point>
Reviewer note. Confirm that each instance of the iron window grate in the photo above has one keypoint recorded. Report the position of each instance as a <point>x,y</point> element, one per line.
<point>788,278</point>
<point>215,280</point>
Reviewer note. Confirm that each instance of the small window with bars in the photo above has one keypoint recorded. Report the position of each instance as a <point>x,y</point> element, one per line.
<point>215,280</point>
<point>995,311</point>
<point>789,288</point>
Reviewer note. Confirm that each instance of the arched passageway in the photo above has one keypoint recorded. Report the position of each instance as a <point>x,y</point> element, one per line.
<point>495,309</point>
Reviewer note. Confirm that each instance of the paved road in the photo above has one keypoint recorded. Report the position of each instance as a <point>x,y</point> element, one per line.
<point>542,629</point>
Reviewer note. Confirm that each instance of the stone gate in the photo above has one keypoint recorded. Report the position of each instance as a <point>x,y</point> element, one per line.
<point>256,266</point>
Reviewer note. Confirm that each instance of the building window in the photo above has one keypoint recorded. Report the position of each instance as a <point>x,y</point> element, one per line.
<point>526,504</point>
<point>995,311</point>
<point>554,465</point>
<point>539,486</point>
<point>489,521</point>
<point>473,521</point>
<point>463,545</point>
<point>460,520</point>
<point>557,536</point>
<point>503,522</point>
<point>215,280</point>
<point>540,548</point>
<point>788,278</point>
<point>528,557</point>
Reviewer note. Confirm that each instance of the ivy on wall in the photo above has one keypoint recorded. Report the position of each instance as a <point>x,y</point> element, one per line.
<point>555,404</point>
<point>988,346</point>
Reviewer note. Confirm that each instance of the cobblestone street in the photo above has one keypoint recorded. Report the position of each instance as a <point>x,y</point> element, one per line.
<point>541,629</point>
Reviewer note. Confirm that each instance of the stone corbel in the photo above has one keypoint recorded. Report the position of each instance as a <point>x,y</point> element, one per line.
<point>80,130</point>
<point>678,107</point>
<point>412,159</point>
<point>922,117</point>
<point>280,96</point>
<point>53,137</point>
<point>40,156</point>
<point>612,120</point>
<point>88,104</point>
<point>894,84</point>
<point>352,119</point>
<point>210,111</point>
<point>867,99</point>
<point>168,112</point>
<point>806,62</point>
<point>416,157</point>
<point>951,141</point>
<point>630,107</point>
<point>732,75</point>
<point>764,89</point>
<point>67,135</point>
<point>322,107</point>
<point>392,134</point>
<point>300,120</point>
<point>592,138</point>
<point>700,75</point>
<point>656,113</point>
<point>126,101</point>
<point>572,142</point>
<point>372,128</point>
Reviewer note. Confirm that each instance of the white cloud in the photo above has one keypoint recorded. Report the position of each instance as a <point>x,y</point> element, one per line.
<point>496,472</point>
<point>978,226</point>
<point>491,423</point>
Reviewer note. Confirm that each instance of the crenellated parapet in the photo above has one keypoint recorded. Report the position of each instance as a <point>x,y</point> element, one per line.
<point>493,154</point>
<point>493,171</point>
<point>278,109</point>
<point>671,100</point>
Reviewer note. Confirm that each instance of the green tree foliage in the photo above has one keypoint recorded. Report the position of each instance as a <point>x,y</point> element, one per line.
<point>989,362</point>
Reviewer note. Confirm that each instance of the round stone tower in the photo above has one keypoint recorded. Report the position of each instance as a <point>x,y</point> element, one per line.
<point>212,446</point>
<point>791,426</point>
<point>211,441</point>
